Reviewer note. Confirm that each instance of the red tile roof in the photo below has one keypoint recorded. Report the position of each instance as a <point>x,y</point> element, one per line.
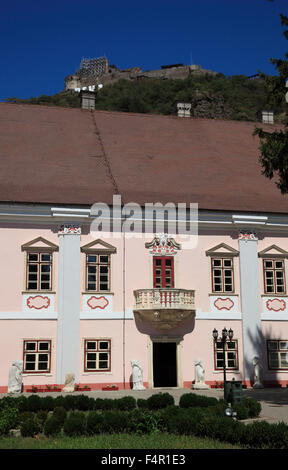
<point>71,156</point>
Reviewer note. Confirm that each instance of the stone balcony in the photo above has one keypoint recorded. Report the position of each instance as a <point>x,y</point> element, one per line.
<point>164,309</point>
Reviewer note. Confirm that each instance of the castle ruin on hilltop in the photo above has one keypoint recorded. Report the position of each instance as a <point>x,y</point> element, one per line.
<point>97,71</point>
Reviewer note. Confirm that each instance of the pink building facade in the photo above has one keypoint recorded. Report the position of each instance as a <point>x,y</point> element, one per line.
<point>75,298</point>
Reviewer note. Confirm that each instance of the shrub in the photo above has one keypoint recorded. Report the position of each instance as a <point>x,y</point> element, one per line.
<point>41,417</point>
<point>52,426</point>
<point>60,414</point>
<point>75,424</point>
<point>105,404</point>
<point>184,421</point>
<point>34,403</point>
<point>21,403</point>
<point>142,403</point>
<point>144,421</point>
<point>264,435</point>
<point>7,402</point>
<point>222,428</point>
<point>69,402</point>
<point>59,401</point>
<point>126,403</point>
<point>241,410</point>
<point>159,400</point>
<point>253,406</point>
<point>47,403</point>
<point>25,415</point>
<point>9,419</point>
<point>83,403</point>
<point>114,421</point>
<point>189,400</point>
<point>95,422</point>
<point>30,427</point>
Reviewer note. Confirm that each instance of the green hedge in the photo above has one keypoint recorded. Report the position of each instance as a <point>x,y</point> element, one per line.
<point>204,421</point>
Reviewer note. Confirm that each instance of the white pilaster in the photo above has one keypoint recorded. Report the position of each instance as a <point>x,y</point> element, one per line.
<point>250,301</point>
<point>68,325</point>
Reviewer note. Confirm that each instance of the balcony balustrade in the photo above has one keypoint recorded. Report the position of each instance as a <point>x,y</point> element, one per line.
<point>164,308</point>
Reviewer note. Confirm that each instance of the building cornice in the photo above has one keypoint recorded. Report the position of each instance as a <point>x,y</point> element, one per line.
<point>39,214</point>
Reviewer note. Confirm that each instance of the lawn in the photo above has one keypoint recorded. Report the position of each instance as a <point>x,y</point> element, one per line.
<point>115,441</point>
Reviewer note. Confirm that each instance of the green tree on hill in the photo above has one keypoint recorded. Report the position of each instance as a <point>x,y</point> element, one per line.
<point>274,145</point>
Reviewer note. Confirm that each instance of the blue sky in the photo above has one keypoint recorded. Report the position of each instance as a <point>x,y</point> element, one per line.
<point>43,41</point>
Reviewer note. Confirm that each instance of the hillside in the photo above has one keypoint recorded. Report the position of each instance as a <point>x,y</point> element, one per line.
<point>212,96</point>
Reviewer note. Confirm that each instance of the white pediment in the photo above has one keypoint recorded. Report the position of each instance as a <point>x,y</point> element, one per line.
<point>222,249</point>
<point>273,251</point>
<point>99,245</point>
<point>39,243</point>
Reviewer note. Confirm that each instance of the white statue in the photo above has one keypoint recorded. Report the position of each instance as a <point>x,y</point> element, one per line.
<point>199,376</point>
<point>69,383</point>
<point>15,377</point>
<point>137,375</point>
<point>257,373</point>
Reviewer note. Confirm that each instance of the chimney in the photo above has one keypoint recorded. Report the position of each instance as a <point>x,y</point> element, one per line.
<point>268,117</point>
<point>87,99</point>
<point>183,109</point>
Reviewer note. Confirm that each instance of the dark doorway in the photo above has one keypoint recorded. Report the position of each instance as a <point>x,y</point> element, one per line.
<point>164,365</point>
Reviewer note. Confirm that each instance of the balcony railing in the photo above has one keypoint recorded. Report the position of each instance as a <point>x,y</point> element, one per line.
<point>164,308</point>
<point>164,299</point>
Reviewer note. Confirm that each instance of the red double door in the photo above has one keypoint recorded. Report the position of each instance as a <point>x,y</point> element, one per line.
<point>163,272</point>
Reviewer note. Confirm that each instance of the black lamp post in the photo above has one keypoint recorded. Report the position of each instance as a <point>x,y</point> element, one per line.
<point>225,336</point>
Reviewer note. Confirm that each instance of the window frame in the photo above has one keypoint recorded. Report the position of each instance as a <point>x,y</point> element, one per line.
<point>39,263</point>
<point>236,350</point>
<point>274,269</point>
<point>222,268</point>
<point>278,350</point>
<point>97,352</point>
<point>163,268</point>
<point>37,352</point>
<point>98,265</point>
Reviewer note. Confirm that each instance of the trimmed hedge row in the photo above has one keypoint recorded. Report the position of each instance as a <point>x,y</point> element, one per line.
<point>249,408</point>
<point>202,422</point>
<point>84,403</point>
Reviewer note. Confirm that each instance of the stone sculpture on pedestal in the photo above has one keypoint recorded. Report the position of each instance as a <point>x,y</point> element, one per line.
<point>69,383</point>
<point>15,377</point>
<point>199,376</point>
<point>257,373</point>
<point>137,375</point>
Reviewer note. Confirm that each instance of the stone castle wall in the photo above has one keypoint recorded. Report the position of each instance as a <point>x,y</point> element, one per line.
<point>114,74</point>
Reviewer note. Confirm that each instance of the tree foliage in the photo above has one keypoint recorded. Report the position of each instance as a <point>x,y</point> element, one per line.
<point>212,96</point>
<point>274,145</point>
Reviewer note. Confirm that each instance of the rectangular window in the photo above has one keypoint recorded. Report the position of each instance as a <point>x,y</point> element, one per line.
<point>97,355</point>
<point>231,355</point>
<point>222,275</point>
<point>163,272</point>
<point>39,271</point>
<point>274,276</point>
<point>277,352</point>
<point>97,272</point>
<point>37,356</point>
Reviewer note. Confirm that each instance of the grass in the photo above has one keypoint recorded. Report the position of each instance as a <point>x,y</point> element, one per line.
<point>115,441</point>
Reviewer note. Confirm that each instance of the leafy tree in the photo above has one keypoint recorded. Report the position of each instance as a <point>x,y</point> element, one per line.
<point>274,145</point>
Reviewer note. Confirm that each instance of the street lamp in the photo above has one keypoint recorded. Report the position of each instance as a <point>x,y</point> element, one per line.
<point>225,336</point>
